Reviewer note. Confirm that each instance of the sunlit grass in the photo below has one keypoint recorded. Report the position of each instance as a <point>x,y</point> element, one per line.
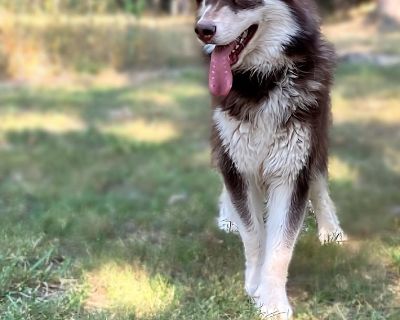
<point>340,170</point>
<point>53,122</point>
<point>140,130</point>
<point>167,94</point>
<point>143,130</point>
<point>129,287</point>
<point>164,99</point>
<point>386,110</point>
<point>392,159</point>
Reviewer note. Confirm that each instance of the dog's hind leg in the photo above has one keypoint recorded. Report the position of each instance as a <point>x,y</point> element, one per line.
<point>329,229</point>
<point>227,214</point>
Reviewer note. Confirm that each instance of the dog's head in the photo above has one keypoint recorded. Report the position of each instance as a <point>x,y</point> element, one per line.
<point>246,34</point>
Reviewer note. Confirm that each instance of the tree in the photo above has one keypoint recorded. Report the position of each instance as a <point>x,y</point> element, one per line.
<point>173,7</point>
<point>135,7</point>
<point>180,7</point>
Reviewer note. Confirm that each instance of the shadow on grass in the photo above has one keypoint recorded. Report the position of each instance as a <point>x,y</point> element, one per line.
<point>372,149</point>
<point>366,80</point>
<point>178,97</point>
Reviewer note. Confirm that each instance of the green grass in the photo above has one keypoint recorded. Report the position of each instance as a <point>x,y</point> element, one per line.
<point>105,223</point>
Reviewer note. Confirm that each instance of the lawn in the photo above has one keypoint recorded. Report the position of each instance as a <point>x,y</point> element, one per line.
<point>108,205</point>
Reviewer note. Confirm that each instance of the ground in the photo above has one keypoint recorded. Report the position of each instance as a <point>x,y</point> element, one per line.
<point>108,204</point>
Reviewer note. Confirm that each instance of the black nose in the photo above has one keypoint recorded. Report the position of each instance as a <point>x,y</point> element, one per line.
<point>205,31</point>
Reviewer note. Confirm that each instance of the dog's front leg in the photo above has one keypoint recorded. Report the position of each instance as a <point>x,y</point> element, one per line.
<point>243,204</point>
<point>245,212</point>
<point>286,209</point>
<point>253,235</point>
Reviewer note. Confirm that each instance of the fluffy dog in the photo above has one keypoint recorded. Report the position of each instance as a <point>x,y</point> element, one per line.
<point>270,77</point>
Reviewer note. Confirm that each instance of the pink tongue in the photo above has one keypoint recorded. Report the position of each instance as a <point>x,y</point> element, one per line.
<point>220,76</point>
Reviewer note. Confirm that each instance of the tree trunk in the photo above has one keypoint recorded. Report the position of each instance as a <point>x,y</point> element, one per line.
<point>156,4</point>
<point>180,7</point>
<point>173,9</point>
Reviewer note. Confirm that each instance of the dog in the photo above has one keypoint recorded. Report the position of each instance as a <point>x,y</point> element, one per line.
<point>270,77</point>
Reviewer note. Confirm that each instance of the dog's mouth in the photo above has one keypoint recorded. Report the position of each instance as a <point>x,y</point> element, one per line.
<point>241,42</point>
<point>223,58</point>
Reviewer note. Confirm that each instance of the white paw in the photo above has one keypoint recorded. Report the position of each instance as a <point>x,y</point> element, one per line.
<point>327,236</point>
<point>273,304</point>
<point>275,310</point>
<point>277,313</point>
<point>227,226</point>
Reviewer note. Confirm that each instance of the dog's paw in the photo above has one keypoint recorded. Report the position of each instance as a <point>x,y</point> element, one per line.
<point>327,236</point>
<point>275,310</point>
<point>273,304</point>
<point>227,226</point>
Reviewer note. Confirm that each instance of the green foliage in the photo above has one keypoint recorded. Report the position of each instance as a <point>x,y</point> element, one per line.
<point>135,7</point>
<point>74,6</point>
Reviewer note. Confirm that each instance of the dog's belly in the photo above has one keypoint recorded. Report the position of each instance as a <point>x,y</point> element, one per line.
<point>262,147</point>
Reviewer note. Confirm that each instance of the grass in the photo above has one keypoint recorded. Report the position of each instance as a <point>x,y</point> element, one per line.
<point>108,202</point>
<point>107,215</point>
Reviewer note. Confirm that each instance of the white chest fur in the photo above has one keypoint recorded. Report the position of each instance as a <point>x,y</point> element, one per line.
<point>263,146</point>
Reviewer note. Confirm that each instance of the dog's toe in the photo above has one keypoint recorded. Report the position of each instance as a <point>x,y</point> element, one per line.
<point>276,312</point>
<point>227,226</point>
<point>332,236</point>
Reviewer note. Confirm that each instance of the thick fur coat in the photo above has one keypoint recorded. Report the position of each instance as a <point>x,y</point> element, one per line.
<point>270,134</point>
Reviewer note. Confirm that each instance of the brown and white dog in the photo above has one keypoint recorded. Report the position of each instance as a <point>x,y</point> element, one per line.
<point>270,75</point>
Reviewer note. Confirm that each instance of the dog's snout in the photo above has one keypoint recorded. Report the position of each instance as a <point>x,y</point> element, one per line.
<point>205,31</point>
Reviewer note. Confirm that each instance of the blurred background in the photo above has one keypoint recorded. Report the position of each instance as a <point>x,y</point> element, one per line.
<point>107,198</point>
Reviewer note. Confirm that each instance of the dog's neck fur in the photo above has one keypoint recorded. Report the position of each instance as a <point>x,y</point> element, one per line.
<point>303,79</point>
<point>249,91</point>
